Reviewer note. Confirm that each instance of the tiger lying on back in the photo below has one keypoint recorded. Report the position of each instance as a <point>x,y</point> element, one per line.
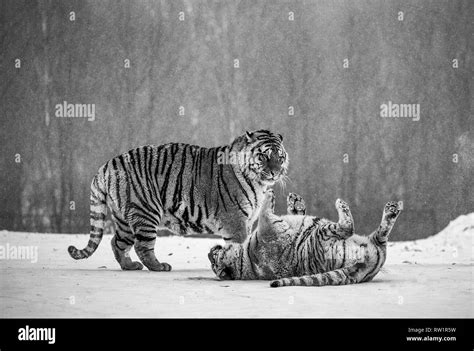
<point>185,188</point>
<point>302,250</point>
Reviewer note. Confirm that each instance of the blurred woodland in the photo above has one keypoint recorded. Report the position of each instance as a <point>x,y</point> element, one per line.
<point>290,77</point>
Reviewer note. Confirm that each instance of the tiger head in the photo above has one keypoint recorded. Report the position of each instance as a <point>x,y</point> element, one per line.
<point>265,158</point>
<point>224,263</point>
<point>244,262</point>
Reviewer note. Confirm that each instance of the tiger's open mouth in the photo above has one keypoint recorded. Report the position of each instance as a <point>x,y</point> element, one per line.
<point>272,176</point>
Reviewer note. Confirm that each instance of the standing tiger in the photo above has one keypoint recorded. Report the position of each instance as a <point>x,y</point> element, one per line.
<point>302,250</point>
<point>185,188</point>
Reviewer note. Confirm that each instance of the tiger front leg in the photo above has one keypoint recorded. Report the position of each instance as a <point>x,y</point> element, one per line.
<point>345,224</point>
<point>269,224</point>
<point>268,205</point>
<point>145,249</point>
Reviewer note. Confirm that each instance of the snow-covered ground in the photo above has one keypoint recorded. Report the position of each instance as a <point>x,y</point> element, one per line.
<point>429,278</point>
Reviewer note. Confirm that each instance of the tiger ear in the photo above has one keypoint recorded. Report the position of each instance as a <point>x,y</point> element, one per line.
<point>249,136</point>
<point>280,136</point>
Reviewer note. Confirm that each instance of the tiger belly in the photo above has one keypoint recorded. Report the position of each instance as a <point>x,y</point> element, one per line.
<point>346,253</point>
<point>189,226</point>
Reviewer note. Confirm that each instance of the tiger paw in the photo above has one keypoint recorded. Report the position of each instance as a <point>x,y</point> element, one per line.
<point>392,209</point>
<point>132,266</point>
<point>159,267</point>
<point>342,205</point>
<point>295,204</point>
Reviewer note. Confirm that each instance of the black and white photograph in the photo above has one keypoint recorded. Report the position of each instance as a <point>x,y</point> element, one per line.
<point>237,159</point>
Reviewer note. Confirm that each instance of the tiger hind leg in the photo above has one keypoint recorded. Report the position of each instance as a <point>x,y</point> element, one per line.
<point>295,204</point>
<point>122,243</point>
<point>144,227</point>
<point>343,276</point>
<point>391,212</point>
<point>145,249</point>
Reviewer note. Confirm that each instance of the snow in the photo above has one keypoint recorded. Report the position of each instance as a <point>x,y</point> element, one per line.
<point>429,278</point>
<point>453,245</point>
